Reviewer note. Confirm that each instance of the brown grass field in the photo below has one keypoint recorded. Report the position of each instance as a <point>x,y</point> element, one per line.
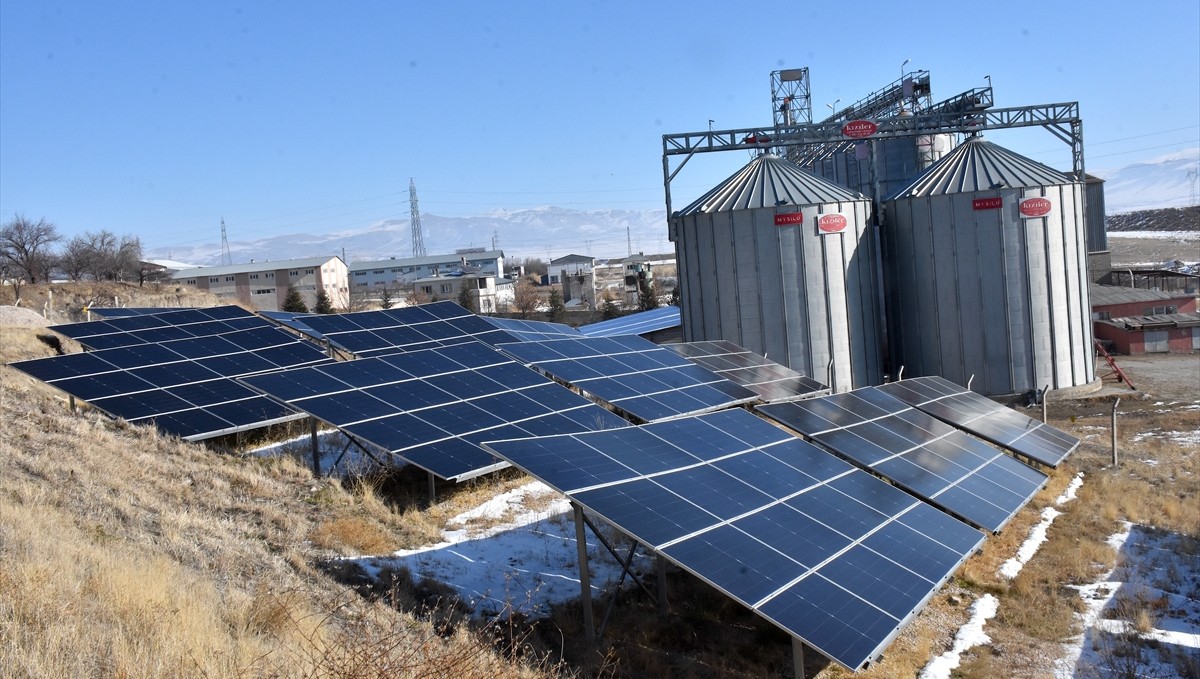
<point>130,554</point>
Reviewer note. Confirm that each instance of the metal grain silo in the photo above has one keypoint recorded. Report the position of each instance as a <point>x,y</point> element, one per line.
<point>985,263</point>
<point>784,264</point>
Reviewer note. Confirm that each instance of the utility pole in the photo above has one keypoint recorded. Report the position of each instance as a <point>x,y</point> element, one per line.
<point>418,243</point>
<point>226,256</point>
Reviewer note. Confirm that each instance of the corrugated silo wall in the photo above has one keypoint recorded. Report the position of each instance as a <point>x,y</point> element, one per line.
<point>1097,233</point>
<point>784,291</point>
<point>897,161</point>
<point>985,293</point>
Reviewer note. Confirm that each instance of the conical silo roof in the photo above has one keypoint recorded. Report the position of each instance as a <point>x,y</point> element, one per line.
<point>769,181</point>
<point>978,165</point>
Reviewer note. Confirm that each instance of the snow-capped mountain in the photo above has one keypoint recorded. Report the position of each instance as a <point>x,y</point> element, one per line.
<point>544,232</point>
<point>1166,182</point>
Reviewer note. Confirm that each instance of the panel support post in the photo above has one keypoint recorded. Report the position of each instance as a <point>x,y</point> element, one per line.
<point>798,657</point>
<point>585,581</point>
<point>71,404</point>
<point>1114,431</point>
<point>1045,400</point>
<point>662,584</point>
<point>316,450</point>
<point>432,489</point>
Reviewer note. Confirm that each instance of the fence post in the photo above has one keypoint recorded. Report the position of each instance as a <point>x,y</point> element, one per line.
<point>1114,431</point>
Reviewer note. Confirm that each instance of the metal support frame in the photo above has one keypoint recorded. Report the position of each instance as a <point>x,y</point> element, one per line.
<point>798,658</point>
<point>1114,431</point>
<point>585,584</point>
<point>432,488</point>
<point>1045,400</point>
<point>316,450</point>
<point>791,97</point>
<point>1061,119</point>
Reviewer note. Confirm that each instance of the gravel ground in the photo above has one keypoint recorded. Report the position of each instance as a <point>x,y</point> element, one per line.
<point>20,317</point>
<point>1127,251</point>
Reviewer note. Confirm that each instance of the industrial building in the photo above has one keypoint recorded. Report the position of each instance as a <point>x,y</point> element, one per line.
<point>264,285</point>
<point>956,257</point>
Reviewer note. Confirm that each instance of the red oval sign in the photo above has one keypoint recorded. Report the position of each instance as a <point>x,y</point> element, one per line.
<point>1035,207</point>
<point>831,223</point>
<point>857,129</point>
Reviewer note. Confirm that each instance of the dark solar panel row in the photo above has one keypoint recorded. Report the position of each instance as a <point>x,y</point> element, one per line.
<point>373,333</point>
<point>835,557</point>
<point>433,407</point>
<point>632,374</point>
<point>916,452</point>
<point>634,324</point>
<point>185,387</point>
<point>771,381</point>
<point>160,327</point>
<point>985,418</point>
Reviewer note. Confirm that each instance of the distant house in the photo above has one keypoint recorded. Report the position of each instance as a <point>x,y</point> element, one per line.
<point>485,293</point>
<point>1135,321</point>
<point>264,285</point>
<point>575,273</point>
<point>400,273</point>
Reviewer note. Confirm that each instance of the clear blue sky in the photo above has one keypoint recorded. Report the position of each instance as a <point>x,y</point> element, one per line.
<point>158,118</point>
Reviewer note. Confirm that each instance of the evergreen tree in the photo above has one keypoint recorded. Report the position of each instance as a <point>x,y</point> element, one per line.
<point>609,310</point>
<point>558,310</point>
<point>675,296</point>
<point>464,297</point>
<point>647,296</point>
<point>324,304</point>
<point>293,302</point>
<point>386,301</point>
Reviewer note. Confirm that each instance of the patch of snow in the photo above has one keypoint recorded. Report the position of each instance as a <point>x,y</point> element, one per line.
<point>1068,493</point>
<point>969,635</point>
<point>1037,535</point>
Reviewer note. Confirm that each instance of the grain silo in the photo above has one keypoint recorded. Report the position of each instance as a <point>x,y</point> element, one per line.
<point>784,264</point>
<point>985,264</point>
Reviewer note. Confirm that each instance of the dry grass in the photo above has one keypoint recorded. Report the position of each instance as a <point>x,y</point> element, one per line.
<point>131,554</point>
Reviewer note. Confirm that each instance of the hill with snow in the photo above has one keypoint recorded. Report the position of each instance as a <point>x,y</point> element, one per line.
<point>1168,181</point>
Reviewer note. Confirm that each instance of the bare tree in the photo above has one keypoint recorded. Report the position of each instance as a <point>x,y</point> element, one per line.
<point>75,259</point>
<point>25,246</point>
<point>525,297</point>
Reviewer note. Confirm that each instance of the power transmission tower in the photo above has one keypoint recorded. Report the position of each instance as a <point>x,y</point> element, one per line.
<point>226,257</point>
<point>418,244</point>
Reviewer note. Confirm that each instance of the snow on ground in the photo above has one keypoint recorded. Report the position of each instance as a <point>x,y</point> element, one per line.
<point>528,563</point>
<point>970,634</point>
<point>1156,584</point>
<point>1037,534</point>
<point>1158,235</point>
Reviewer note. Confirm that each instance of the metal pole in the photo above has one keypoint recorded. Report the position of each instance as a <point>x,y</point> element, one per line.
<point>432,489</point>
<point>970,380</point>
<point>829,377</point>
<point>316,450</point>
<point>900,375</point>
<point>585,584</point>
<point>1045,394</point>
<point>662,585</point>
<point>798,657</point>
<point>1114,431</point>
<point>71,404</point>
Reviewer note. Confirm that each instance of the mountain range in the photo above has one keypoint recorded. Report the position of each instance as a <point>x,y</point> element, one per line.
<point>550,232</point>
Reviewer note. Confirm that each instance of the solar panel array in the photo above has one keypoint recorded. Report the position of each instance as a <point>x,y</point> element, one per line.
<point>374,333</point>
<point>433,407</point>
<point>293,320</point>
<point>525,330</point>
<point>634,324</point>
<point>985,418</point>
<point>633,375</point>
<point>122,312</point>
<point>185,387</point>
<point>916,452</point>
<point>832,555</point>
<point>160,327</point>
<point>771,381</point>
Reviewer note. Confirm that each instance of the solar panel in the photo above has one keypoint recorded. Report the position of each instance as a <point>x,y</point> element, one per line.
<point>160,327</point>
<point>633,374</point>
<point>527,331</point>
<point>832,555</point>
<point>122,312</point>
<point>985,418</point>
<point>293,320</point>
<point>432,407</point>
<point>917,452</point>
<point>771,381</point>
<point>185,387</point>
<point>634,324</point>
<point>387,331</point>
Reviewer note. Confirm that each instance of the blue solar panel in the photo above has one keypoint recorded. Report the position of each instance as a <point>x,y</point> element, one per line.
<point>375,333</point>
<point>634,324</point>
<point>122,312</point>
<point>433,407</point>
<point>292,320</point>
<point>916,452</point>
<point>632,374</point>
<point>184,387</point>
<point>526,331</point>
<point>771,381</point>
<point>985,418</point>
<point>160,327</point>
<point>834,556</point>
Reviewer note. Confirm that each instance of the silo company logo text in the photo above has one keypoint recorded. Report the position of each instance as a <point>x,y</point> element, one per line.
<point>789,218</point>
<point>857,129</point>
<point>1035,207</point>
<point>831,223</point>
